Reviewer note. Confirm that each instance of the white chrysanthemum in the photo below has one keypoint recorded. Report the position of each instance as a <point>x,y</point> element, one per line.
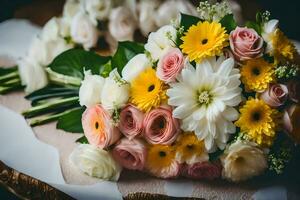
<point>269,29</point>
<point>204,98</point>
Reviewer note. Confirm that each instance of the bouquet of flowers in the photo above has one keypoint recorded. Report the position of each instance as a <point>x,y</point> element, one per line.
<point>203,98</point>
<point>88,24</point>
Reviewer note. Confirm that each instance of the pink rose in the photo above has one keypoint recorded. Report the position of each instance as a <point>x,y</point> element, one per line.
<point>246,44</point>
<point>203,170</point>
<point>170,65</point>
<point>131,154</point>
<point>131,121</point>
<point>160,127</point>
<point>294,90</point>
<point>97,127</point>
<point>276,95</point>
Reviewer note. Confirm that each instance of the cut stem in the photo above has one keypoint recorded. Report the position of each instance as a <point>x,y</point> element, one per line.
<point>47,107</point>
<point>49,118</point>
<point>9,76</point>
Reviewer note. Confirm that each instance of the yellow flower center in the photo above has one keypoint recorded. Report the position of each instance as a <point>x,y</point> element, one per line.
<point>204,97</point>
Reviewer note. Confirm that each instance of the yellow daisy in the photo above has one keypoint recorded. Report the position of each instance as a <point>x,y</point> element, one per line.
<point>258,121</point>
<point>256,74</point>
<point>204,40</point>
<point>190,149</point>
<point>147,91</point>
<point>161,161</point>
<point>283,48</point>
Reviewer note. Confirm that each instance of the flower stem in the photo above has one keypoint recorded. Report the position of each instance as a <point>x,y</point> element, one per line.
<point>37,110</point>
<point>61,79</point>
<point>49,118</point>
<point>9,76</point>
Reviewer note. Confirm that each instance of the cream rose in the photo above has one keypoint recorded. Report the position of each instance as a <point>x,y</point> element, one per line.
<point>171,9</point>
<point>122,24</point>
<point>83,31</point>
<point>98,9</point>
<point>243,160</point>
<point>135,66</point>
<point>90,89</point>
<point>115,92</point>
<point>95,162</point>
<point>146,20</point>
<point>160,41</point>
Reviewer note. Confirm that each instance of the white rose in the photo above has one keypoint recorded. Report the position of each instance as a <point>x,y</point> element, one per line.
<point>122,24</point>
<point>243,160</point>
<point>115,93</point>
<point>32,75</point>
<point>43,52</point>
<point>95,162</point>
<point>90,89</point>
<point>146,16</point>
<point>171,9</point>
<point>71,8</point>
<point>83,31</point>
<point>160,41</point>
<point>269,29</point>
<point>135,66</point>
<point>97,9</point>
<point>51,30</point>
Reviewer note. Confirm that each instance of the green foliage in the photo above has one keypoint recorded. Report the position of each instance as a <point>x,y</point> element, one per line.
<point>71,122</point>
<point>82,140</point>
<point>74,61</point>
<point>255,26</point>
<point>188,20</point>
<point>126,50</point>
<point>228,22</point>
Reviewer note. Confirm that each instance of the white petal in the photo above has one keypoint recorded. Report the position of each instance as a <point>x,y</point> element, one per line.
<point>226,67</point>
<point>230,114</point>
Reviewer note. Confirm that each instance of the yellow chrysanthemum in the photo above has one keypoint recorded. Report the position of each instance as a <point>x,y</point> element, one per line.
<point>190,149</point>
<point>204,40</point>
<point>147,91</point>
<point>256,74</point>
<point>258,121</point>
<point>160,157</point>
<point>282,47</point>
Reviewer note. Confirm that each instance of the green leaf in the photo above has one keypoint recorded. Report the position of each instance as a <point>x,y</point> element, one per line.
<point>259,17</point>
<point>4,71</point>
<point>74,61</point>
<point>82,140</point>
<point>254,25</point>
<point>71,122</point>
<point>126,50</point>
<point>188,20</point>
<point>228,22</point>
<point>52,91</point>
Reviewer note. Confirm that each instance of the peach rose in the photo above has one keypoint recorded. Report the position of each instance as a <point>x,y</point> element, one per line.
<point>98,128</point>
<point>131,121</point>
<point>276,95</point>
<point>160,127</point>
<point>131,154</point>
<point>170,65</point>
<point>246,44</point>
